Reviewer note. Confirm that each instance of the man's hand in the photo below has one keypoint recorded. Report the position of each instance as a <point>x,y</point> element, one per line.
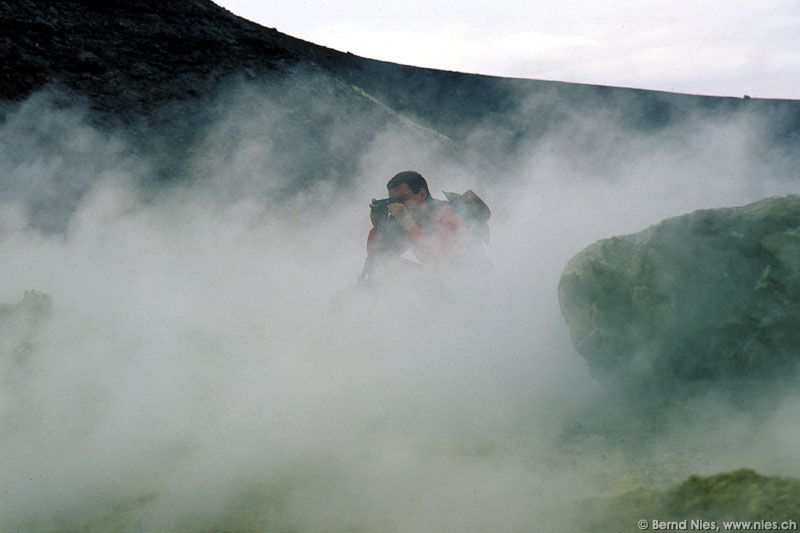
<point>399,212</point>
<point>374,217</point>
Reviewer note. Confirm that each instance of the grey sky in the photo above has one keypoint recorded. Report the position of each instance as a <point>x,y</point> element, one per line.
<point>715,47</point>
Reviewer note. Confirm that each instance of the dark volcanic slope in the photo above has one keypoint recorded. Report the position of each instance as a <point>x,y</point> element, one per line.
<point>129,57</point>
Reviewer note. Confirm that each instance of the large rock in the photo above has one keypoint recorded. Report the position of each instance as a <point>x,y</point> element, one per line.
<point>700,502</point>
<point>20,324</point>
<point>708,300</point>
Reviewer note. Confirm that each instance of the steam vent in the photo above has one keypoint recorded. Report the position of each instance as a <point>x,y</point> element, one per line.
<point>708,300</point>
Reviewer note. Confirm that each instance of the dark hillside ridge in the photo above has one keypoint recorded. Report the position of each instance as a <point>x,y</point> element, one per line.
<point>128,57</point>
<point>440,96</point>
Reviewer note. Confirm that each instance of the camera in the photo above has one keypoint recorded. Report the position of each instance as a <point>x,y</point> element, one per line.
<point>381,207</point>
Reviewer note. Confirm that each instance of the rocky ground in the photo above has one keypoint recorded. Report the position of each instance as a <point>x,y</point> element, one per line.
<point>741,495</point>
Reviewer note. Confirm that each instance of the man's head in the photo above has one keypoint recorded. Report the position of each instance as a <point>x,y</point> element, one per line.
<point>413,189</point>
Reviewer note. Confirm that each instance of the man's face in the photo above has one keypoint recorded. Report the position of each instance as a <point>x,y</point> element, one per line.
<point>414,202</point>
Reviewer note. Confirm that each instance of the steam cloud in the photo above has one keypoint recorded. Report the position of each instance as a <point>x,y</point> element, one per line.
<point>208,360</point>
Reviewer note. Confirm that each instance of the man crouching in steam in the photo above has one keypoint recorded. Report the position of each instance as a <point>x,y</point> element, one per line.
<point>437,232</point>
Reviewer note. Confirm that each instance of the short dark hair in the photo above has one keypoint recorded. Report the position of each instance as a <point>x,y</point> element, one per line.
<point>412,178</point>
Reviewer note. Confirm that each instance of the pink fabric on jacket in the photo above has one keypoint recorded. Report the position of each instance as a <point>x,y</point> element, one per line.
<point>440,242</point>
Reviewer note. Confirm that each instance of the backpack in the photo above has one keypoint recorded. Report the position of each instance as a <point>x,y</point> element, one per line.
<point>473,210</point>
